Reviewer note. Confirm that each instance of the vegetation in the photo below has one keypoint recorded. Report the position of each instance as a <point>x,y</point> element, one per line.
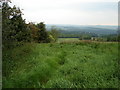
<point>36,58</point>
<point>61,65</point>
<point>55,33</point>
<point>112,37</point>
<point>89,36</point>
<point>15,30</point>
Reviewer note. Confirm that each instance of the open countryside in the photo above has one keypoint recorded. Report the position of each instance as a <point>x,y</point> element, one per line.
<point>39,55</point>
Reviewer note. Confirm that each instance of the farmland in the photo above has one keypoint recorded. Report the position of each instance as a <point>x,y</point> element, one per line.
<point>61,65</point>
<point>67,40</point>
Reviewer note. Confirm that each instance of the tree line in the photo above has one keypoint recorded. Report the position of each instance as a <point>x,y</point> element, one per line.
<point>15,30</point>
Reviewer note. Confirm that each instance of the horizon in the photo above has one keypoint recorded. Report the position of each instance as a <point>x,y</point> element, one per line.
<point>81,24</point>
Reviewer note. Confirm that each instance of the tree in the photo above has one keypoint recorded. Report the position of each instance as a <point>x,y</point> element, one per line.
<point>33,31</point>
<point>14,27</point>
<point>42,33</point>
<point>19,27</point>
<point>6,24</point>
<point>54,33</point>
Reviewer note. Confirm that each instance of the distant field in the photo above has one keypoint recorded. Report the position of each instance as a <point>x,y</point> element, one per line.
<point>76,40</point>
<point>67,39</point>
<point>61,65</point>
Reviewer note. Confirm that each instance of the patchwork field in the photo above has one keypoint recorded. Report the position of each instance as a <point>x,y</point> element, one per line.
<point>61,65</point>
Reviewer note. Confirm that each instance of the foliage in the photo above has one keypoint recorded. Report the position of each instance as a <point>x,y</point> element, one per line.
<point>15,30</point>
<point>34,32</point>
<point>51,39</point>
<point>14,27</point>
<point>42,33</point>
<point>111,37</point>
<point>66,65</point>
<point>54,32</point>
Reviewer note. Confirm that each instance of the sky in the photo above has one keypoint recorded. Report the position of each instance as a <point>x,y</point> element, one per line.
<point>73,12</point>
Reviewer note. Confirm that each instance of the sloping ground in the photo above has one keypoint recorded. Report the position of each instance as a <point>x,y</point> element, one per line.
<point>61,65</point>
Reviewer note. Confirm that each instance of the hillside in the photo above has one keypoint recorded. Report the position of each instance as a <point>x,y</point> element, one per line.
<point>93,29</point>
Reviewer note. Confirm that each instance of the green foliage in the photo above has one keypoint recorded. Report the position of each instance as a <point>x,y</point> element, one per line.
<point>15,30</point>
<point>51,39</point>
<point>42,33</point>
<point>111,37</point>
<point>6,30</point>
<point>54,32</point>
<point>67,64</point>
<point>85,37</point>
<point>33,32</point>
<point>54,65</point>
<point>13,26</point>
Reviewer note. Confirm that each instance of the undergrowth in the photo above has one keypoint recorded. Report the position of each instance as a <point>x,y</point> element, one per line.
<point>61,65</point>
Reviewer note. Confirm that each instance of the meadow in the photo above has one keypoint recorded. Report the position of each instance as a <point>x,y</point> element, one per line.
<point>61,65</point>
<point>67,40</point>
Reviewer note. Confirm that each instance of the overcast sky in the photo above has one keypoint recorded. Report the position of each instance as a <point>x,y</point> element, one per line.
<point>76,12</point>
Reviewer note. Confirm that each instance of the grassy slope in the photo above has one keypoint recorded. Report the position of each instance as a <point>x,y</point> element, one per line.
<point>81,65</point>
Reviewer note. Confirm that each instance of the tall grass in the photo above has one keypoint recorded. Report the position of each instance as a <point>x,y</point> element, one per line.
<point>61,65</point>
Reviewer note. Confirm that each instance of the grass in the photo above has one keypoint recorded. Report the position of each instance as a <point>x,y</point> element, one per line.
<point>67,39</point>
<point>61,65</point>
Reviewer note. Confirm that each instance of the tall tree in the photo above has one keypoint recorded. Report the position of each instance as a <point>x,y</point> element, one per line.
<point>33,31</point>
<point>42,33</point>
<point>14,28</point>
<point>6,23</point>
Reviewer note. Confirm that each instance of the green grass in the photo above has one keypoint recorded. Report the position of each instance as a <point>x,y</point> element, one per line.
<point>61,65</point>
<point>67,39</point>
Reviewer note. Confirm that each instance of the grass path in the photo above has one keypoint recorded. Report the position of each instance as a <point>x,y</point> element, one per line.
<point>62,65</point>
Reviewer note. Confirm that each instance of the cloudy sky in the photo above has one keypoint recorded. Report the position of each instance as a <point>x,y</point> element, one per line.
<point>76,12</point>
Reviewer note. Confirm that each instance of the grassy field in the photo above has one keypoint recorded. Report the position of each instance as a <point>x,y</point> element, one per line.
<point>67,40</point>
<point>61,65</point>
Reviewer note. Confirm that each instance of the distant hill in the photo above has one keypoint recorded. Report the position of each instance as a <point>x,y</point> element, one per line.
<point>78,29</point>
